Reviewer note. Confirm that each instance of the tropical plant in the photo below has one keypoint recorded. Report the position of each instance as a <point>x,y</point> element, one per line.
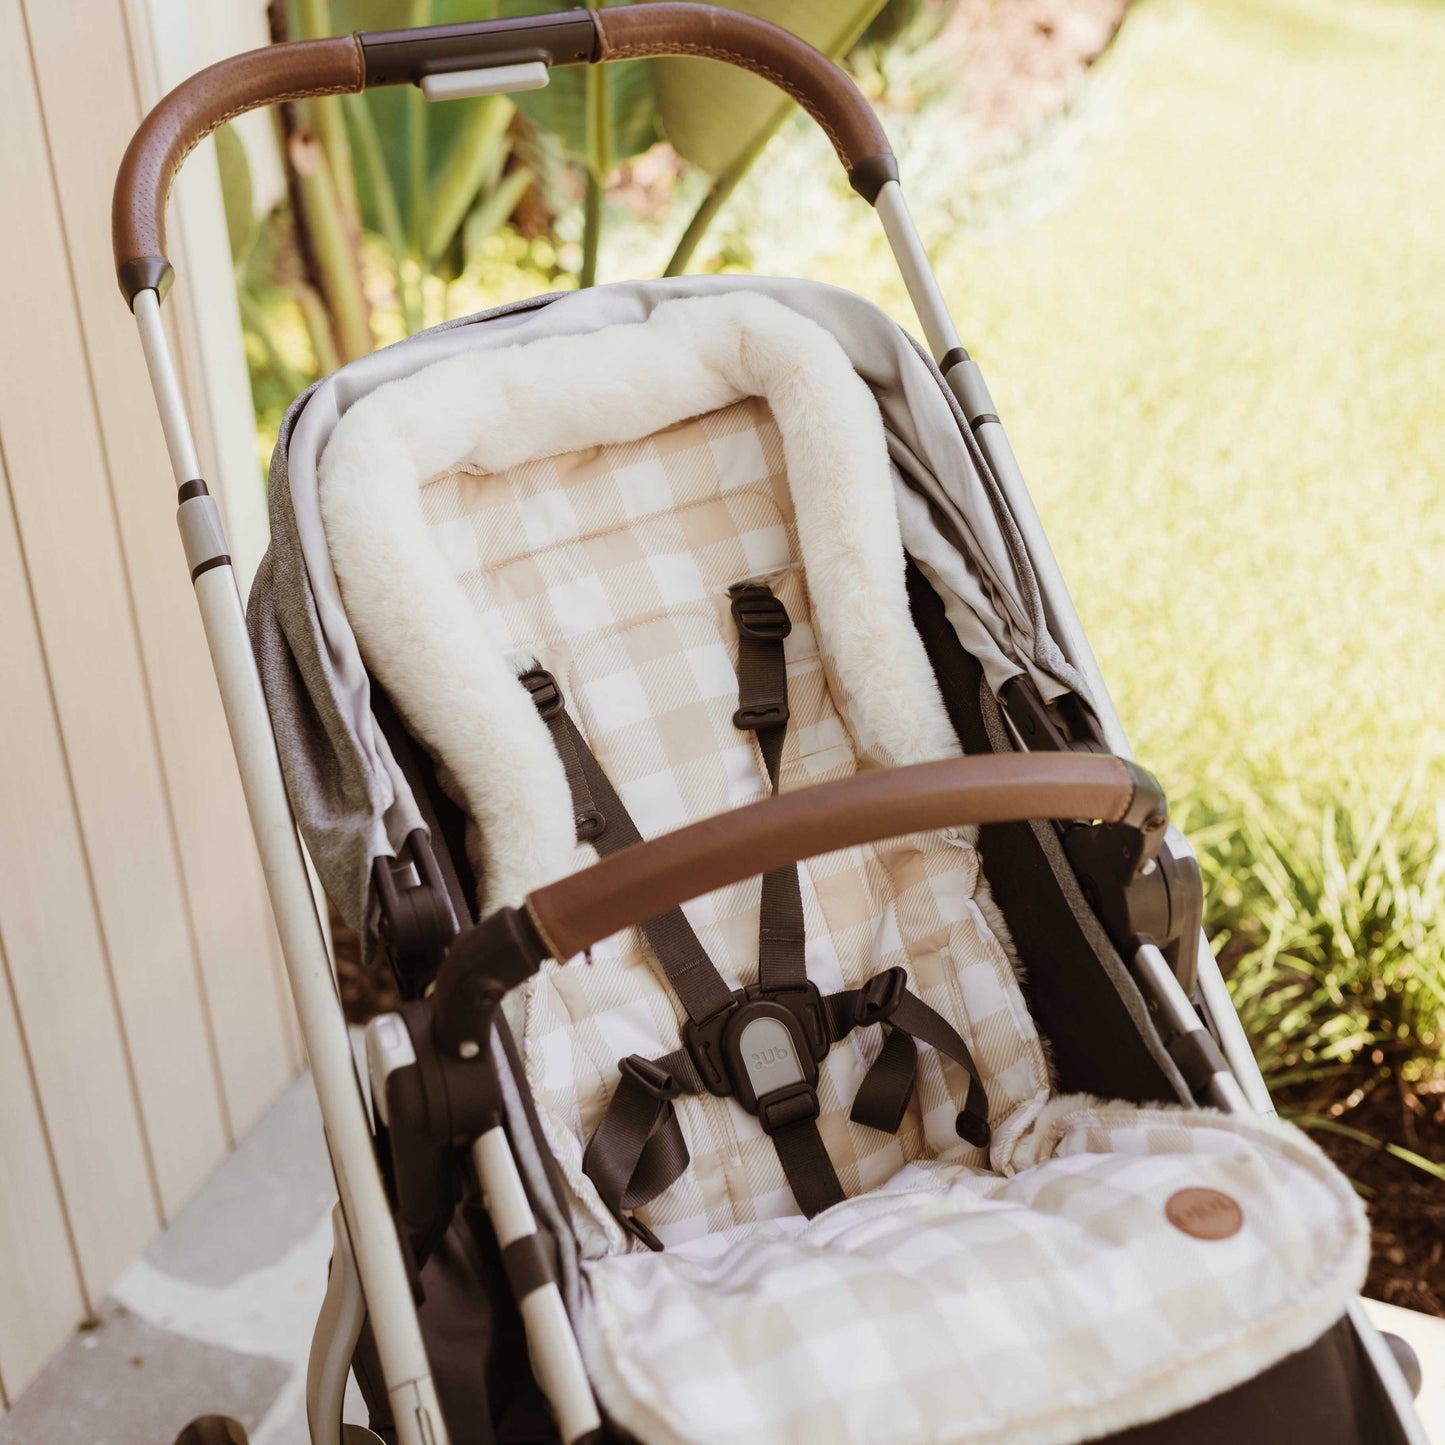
<point>1329,917</point>
<point>391,198</point>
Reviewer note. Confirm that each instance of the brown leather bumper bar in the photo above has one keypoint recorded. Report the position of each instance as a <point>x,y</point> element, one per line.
<point>352,63</point>
<point>647,879</point>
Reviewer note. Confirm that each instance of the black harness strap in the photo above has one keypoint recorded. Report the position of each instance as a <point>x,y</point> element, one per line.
<point>762,623</point>
<point>689,970</point>
<point>639,1150</point>
<point>806,1165</point>
<point>888,1085</point>
<point>551,708</point>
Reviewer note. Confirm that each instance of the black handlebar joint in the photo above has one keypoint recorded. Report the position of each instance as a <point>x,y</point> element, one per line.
<point>406,57</point>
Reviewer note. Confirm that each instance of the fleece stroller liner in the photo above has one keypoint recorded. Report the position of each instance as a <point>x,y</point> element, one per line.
<point>576,492</point>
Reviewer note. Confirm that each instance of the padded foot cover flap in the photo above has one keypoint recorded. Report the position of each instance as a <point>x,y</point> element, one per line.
<point>1131,1263</point>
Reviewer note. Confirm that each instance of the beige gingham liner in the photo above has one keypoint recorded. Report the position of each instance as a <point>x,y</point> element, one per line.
<point>611,567</point>
<point>953,1296</point>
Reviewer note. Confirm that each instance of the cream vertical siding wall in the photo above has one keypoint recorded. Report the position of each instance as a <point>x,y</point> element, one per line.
<point>144,1023</point>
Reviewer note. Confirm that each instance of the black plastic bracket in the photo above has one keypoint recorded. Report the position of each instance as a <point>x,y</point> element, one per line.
<point>481,966</point>
<point>434,1106</point>
<point>1066,727</point>
<point>869,176</point>
<point>145,273</point>
<point>417,922</point>
<point>406,57</point>
<point>1139,887</point>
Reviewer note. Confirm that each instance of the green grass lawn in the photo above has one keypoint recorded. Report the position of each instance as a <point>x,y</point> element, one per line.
<point>1221,355</point>
<point>1222,362</point>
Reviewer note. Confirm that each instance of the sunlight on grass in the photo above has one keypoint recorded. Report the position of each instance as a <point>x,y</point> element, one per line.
<point>1223,370</point>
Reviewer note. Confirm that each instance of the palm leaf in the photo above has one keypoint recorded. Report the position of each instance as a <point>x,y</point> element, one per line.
<point>716,116</point>
<point>602,115</point>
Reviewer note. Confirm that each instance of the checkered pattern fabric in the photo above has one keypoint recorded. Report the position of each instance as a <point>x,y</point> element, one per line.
<point>612,567</point>
<point>955,1296</point>
<point>954,1305</point>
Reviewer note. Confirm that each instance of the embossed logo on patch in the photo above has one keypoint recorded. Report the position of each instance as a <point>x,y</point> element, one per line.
<point>1204,1213</point>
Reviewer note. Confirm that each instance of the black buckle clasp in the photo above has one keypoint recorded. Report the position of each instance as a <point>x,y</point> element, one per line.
<point>758,614</point>
<point>879,998</point>
<point>545,693</point>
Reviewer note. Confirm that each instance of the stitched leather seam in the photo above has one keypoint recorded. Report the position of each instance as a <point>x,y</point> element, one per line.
<point>553,949</point>
<point>351,87</point>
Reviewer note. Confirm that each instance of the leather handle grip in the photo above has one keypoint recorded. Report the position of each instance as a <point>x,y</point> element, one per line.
<point>185,117</point>
<point>647,879</point>
<point>349,63</point>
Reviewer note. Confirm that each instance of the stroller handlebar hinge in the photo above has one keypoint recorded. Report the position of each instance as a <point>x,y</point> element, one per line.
<point>1138,873</point>
<point>416,919</point>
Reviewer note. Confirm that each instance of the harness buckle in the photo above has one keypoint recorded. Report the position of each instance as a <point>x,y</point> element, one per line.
<point>545,693</point>
<point>769,1059</point>
<point>706,1041</point>
<point>758,614</point>
<point>879,998</point>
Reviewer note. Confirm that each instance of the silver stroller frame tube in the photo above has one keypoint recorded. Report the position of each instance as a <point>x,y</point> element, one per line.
<point>370,1278</point>
<point>366,1214</point>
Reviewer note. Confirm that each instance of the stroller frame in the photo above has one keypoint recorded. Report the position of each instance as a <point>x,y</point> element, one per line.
<point>370,1277</point>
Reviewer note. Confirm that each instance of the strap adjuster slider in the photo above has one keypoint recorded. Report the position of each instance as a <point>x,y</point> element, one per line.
<point>545,693</point>
<point>879,998</point>
<point>789,1105</point>
<point>759,614</point>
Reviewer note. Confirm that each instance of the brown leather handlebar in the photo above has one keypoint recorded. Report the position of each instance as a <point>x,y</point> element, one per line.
<point>647,879</point>
<point>351,63</point>
<point>185,117</point>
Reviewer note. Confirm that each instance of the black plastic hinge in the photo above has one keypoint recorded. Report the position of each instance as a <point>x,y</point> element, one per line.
<point>417,922</point>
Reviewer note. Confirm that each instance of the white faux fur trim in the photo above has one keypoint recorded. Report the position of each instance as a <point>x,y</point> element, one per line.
<point>491,410</point>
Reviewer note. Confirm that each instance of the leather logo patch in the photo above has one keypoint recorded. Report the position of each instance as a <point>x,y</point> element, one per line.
<point>1204,1213</point>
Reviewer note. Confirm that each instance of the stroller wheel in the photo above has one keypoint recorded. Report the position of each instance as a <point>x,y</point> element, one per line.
<point>1408,1361</point>
<point>213,1430</point>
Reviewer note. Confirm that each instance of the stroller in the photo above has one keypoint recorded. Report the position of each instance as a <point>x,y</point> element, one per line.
<point>807,1030</point>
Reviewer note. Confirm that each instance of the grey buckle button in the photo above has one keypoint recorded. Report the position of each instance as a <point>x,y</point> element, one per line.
<point>769,1055</point>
